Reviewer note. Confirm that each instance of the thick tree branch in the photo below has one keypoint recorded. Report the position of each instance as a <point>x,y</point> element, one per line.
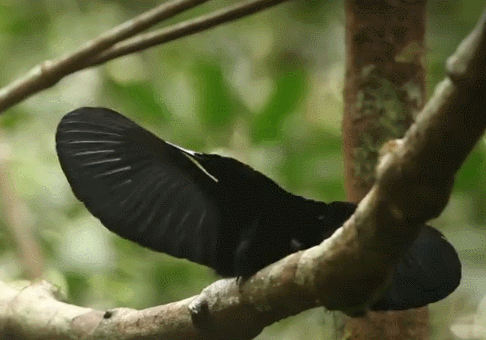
<point>384,92</point>
<point>346,272</point>
<point>112,44</point>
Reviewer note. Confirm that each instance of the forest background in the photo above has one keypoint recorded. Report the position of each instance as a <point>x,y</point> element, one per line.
<point>267,90</point>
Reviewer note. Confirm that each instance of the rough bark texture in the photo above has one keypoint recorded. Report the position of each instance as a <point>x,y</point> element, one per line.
<point>385,89</point>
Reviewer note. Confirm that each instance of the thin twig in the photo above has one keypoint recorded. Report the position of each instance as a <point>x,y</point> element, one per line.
<point>49,72</point>
<point>110,44</point>
<point>183,29</point>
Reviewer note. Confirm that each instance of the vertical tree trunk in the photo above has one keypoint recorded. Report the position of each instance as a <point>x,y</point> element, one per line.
<point>385,89</point>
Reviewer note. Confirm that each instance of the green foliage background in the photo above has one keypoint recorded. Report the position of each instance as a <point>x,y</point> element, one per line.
<point>266,90</point>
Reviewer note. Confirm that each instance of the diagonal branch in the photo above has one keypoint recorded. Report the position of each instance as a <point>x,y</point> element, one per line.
<point>112,44</point>
<point>189,27</point>
<point>49,72</point>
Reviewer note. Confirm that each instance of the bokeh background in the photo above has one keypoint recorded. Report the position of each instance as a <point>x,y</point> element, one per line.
<point>266,89</point>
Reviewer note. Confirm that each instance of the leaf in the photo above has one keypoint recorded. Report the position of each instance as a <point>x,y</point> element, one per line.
<point>289,92</point>
<point>217,105</point>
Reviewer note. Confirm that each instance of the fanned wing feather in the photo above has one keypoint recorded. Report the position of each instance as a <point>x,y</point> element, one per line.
<point>217,211</point>
<point>140,187</point>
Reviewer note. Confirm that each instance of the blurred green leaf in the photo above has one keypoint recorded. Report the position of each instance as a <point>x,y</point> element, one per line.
<point>18,19</point>
<point>215,100</point>
<point>471,176</point>
<point>140,100</point>
<point>290,86</point>
<point>78,286</point>
<point>11,119</point>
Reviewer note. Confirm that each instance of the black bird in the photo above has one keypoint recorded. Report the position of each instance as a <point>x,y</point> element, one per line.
<point>217,211</point>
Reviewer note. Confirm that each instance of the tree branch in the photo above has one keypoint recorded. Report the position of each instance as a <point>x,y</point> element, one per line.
<point>183,29</point>
<point>383,93</point>
<point>103,48</point>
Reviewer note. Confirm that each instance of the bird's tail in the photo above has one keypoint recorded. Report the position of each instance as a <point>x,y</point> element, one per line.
<point>429,271</point>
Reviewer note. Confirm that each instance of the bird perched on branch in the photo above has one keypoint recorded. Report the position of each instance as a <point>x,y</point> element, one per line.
<point>217,211</point>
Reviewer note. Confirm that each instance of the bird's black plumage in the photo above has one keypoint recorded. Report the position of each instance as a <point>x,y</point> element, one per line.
<point>216,211</point>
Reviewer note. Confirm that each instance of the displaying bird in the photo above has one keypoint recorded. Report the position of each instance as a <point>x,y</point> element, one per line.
<point>217,211</point>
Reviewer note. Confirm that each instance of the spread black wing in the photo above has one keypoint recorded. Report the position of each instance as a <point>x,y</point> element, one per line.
<point>217,211</point>
<point>137,185</point>
<point>205,208</point>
